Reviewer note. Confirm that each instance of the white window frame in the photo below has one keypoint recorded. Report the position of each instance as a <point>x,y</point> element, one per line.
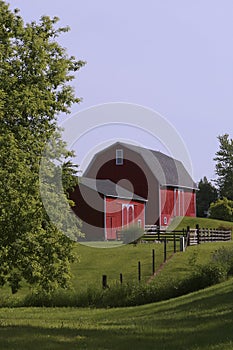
<point>181,202</point>
<point>127,206</point>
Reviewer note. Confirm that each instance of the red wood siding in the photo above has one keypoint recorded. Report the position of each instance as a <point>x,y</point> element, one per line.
<point>190,203</point>
<point>141,181</point>
<point>166,206</point>
<point>176,202</point>
<point>121,213</point>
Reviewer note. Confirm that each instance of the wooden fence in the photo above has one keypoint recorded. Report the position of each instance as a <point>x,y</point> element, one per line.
<point>179,238</point>
<point>192,236</point>
<point>155,234</point>
<point>206,235</point>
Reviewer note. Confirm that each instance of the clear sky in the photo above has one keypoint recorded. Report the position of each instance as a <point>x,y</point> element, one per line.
<point>173,56</point>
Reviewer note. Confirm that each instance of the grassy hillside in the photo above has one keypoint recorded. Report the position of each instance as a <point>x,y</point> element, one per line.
<point>93,263</point>
<point>179,223</point>
<point>96,262</point>
<point>198,321</point>
<point>182,264</point>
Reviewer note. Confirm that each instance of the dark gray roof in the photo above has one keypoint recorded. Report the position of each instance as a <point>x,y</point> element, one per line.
<point>109,189</point>
<point>167,170</point>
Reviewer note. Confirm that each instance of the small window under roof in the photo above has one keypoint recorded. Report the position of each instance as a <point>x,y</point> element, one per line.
<point>119,156</point>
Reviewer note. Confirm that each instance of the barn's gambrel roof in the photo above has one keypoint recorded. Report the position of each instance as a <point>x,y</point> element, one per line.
<point>167,170</point>
<point>109,189</point>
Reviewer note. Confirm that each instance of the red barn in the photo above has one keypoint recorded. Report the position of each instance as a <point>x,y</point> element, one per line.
<point>163,181</point>
<point>104,208</point>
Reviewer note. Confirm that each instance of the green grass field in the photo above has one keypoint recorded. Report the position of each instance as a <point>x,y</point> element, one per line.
<point>198,321</point>
<point>87,274</point>
<point>182,263</point>
<point>95,262</point>
<point>179,223</point>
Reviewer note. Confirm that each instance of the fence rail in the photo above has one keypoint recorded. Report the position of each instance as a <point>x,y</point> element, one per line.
<point>154,233</point>
<point>204,235</point>
<point>192,236</point>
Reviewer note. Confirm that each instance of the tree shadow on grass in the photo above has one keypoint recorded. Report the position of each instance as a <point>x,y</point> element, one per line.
<point>114,336</point>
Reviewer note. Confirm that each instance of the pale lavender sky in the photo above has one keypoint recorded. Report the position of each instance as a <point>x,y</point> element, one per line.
<point>174,56</point>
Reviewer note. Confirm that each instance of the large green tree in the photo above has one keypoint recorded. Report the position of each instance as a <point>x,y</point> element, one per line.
<point>224,166</point>
<point>35,76</point>
<point>205,196</point>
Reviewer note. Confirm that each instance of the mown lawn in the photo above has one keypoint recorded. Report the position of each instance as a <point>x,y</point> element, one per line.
<point>182,222</point>
<point>198,321</point>
<point>93,263</point>
<point>183,263</point>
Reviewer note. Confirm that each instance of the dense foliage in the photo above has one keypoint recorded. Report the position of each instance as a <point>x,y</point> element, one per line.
<point>222,209</point>
<point>34,88</point>
<point>217,202</point>
<point>205,196</point>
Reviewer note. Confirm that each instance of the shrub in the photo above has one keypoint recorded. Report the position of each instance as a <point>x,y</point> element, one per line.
<point>130,294</point>
<point>224,257</point>
<point>211,274</point>
<point>204,276</point>
<point>222,209</point>
<point>131,234</point>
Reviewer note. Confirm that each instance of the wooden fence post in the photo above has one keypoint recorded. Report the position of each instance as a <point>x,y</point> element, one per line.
<point>104,282</point>
<point>182,244</point>
<point>153,262</point>
<point>121,278</point>
<point>165,250</point>
<point>174,242</point>
<point>198,233</point>
<point>139,271</point>
<point>188,236</point>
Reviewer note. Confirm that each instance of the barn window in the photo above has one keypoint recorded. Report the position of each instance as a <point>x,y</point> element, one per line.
<point>131,214</point>
<point>119,156</point>
<point>127,214</point>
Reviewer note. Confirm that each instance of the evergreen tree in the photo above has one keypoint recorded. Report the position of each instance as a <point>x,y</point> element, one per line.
<point>224,166</point>
<point>205,196</point>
